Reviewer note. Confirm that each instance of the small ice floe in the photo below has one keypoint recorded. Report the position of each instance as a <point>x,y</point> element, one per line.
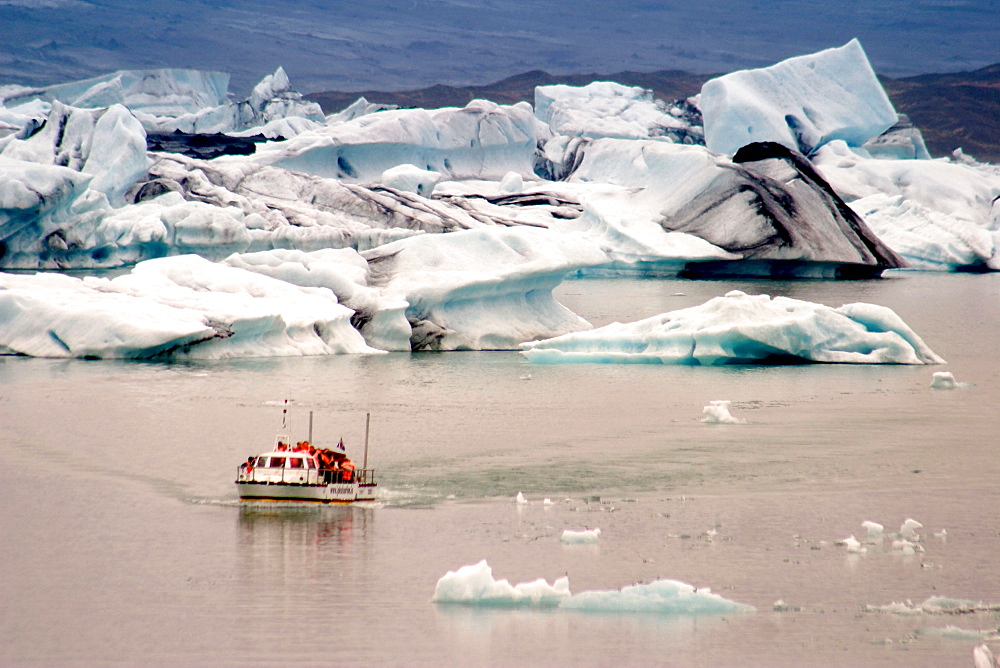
<point>711,533</point>
<point>526,377</point>
<point>520,500</point>
<point>907,530</point>
<point>717,412</point>
<point>547,502</point>
<point>781,606</point>
<point>906,548</point>
<point>982,657</point>
<point>943,380</point>
<point>585,537</point>
<point>852,544</point>
<point>936,605</point>
<point>875,532</point>
<point>942,534</point>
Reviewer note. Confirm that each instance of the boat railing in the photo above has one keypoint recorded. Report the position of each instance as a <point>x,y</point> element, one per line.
<point>274,475</point>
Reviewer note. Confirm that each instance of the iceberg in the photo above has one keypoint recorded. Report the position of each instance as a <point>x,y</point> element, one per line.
<point>173,308</point>
<point>475,585</point>
<point>584,537</point>
<point>482,140</point>
<point>717,412</point>
<point>746,329</point>
<point>937,214</point>
<point>608,109</point>
<point>191,101</point>
<point>488,289</point>
<point>767,207</point>
<point>801,103</point>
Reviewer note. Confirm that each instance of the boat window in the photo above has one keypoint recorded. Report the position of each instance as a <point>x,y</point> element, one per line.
<point>277,462</point>
<point>260,461</point>
<point>295,462</point>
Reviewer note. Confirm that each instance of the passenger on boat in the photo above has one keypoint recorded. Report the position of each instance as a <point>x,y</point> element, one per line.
<point>347,469</point>
<point>282,446</point>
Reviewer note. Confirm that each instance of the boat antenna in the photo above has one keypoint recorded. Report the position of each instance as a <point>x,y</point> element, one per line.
<point>284,417</point>
<point>310,426</point>
<point>368,420</point>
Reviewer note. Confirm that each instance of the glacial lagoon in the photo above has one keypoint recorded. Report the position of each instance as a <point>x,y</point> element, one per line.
<point>124,541</point>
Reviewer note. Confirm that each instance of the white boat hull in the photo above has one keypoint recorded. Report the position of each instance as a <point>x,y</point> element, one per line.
<point>312,493</point>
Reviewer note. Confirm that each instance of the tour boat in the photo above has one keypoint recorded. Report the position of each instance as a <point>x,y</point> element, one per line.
<point>299,471</point>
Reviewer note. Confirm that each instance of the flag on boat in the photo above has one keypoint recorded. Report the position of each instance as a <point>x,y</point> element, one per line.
<point>340,446</point>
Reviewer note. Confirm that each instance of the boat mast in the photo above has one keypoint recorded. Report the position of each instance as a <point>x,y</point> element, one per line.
<point>368,420</point>
<point>310,426</point>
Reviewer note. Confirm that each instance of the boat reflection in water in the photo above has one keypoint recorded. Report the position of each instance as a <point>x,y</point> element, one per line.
<point>288,543</point>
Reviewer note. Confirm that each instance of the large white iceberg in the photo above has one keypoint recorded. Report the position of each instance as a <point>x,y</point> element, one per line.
<point>181,307</point>
<point>802,103</point>
<point>482,289</point>
<point>744,329</point>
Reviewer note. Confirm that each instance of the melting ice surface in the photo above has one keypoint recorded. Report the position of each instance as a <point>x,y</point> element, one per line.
<point>475,585</point>
<point>741,329</point>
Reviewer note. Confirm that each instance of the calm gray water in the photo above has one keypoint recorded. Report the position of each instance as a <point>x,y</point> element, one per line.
<point>123,542</point>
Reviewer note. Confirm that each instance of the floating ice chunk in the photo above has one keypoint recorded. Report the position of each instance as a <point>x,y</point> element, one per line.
<point>936,605</point>
<point>907,548</point>
<point>659,596</point>
<point>875,532</point>
<point>475,585</point>
<point>410,178</point>
<point>908,529</point>
<point>717,412</point>
<point>801,102</point>
<point>942,534</point>
<point>943,380</point>
<point>585,537</point>
<point>852,544</point>
<point>520,500</point>
<point>982,657</point>
<point>742,329</point>
<point>547,502</point>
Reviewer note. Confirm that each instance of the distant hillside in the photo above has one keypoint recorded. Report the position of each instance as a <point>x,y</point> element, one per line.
<point>954,110</point>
